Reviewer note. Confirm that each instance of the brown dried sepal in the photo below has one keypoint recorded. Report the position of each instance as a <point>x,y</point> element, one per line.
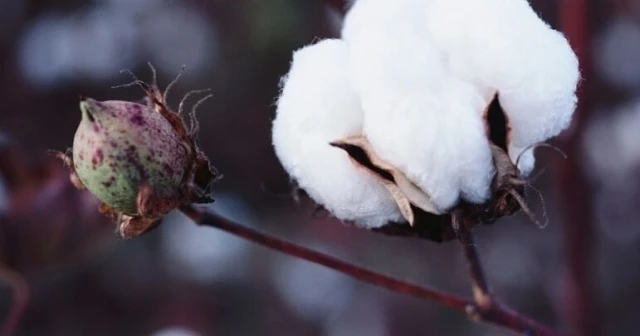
<point>507,191</point>
<point>200,173</point>
<point>67,159</point>
<point>132,227</point>
<point>507,199</point>
<point>424,218</point>
<point>406,194</point>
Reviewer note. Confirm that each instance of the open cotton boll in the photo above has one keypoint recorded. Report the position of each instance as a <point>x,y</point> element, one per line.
<point>418,118</point>
<point>316,107</point>
<point>436,137</point>
<point>503,45</point>
<point>426,124</point>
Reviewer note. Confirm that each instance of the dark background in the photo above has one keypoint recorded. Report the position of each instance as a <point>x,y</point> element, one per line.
<point>580,274</point>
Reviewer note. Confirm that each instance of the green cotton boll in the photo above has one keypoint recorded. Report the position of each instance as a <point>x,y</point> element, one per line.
<point>120,145</point>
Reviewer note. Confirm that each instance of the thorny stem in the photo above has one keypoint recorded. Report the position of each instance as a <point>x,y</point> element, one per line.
<point>488,311</point>
<point>20,300</point>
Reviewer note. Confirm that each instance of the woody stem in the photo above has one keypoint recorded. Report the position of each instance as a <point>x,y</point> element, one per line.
<point>478,310</point>
<point>21,295</point>
<point>481,293</point>
<point>486,307</point>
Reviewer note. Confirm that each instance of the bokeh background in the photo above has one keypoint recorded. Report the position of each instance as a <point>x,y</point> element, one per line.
<point>64,272</point>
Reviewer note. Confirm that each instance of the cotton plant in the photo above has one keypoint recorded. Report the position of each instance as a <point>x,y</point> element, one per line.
<point>392,119</point>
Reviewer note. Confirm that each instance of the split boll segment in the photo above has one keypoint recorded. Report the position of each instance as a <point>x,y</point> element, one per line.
<point>505,49</point>
<point>139,159</point>
<point>424,78</point>
<point>316,107</point>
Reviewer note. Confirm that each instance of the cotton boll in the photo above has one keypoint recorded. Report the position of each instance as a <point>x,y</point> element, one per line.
<point>436,137</point>
<point>503,45</point>
<point>417,118</point>
<point>424,123</point>
<point>316,107</point>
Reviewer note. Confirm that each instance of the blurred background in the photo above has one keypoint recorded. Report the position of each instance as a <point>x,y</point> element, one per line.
<point>64,272</point>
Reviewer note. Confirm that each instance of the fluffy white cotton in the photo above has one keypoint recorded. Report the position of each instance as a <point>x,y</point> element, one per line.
<point>436,137</point>
<point>502,45</point>
<point>396,59</point>
<point>316,107</point>
<point>415,77</point>
<point>367,15</point>
<point>417,117</point>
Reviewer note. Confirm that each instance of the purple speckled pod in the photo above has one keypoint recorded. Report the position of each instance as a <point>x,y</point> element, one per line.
<point>120,145</point>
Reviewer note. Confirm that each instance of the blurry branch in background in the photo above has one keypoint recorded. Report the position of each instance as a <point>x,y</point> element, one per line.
<point>340,5</point>
<point>44,212</point>
<point>20,300</point>
<point>482,309</point>
<point>573,190</point>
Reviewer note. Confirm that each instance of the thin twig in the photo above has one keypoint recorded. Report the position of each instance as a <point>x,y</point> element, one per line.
<point>20,290</point>
<point>486,307</point>
<point>481,293</point>
<point>206,218</point>
<point>495,313</point>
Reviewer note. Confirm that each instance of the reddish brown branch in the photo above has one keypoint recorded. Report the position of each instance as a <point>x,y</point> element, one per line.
<point>494,313</point>
<point>214,220</point>
<point>481,294</point>
<point>574,191</point>
<point>486,307</point>
<point>20,300</point>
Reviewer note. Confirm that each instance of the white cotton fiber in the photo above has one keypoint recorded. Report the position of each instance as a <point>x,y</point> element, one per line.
<point>394,58</point>
<point>417,117</point>
<point>436,137</point>
<point>367,15</point>
<point>503,45</point>
<point>316,107</point>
